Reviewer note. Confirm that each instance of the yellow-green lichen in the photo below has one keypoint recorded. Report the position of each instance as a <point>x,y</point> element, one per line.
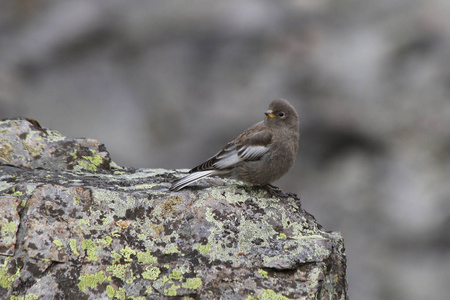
<point>110,291</point>
<point>91,280</point>
<point>164,280</point>
<point>263,273</point>
<point>137,298</point>
<point>172,291</point>
<point>30,296</point>
<point>204,249</point>
<point>9,227</point>
<point>172,248</point>
<point>118,270</point>
<point>91,249</point>
<point>115,256</point>
<point>90,162</point>
<point>17,193</point>
<point>127,252</point>
<point>131,277</point>
<point>176,274</point>
<point>73,153</point>
<point>146,257</point>
<point>106,240</point>
<point>269,294</point>
<point>84,222</point>
<point>192,283</point>
<point>5,279</point>
<point>151,273</point>
<point>281,236</point>
<point>76,200</point>
<point>121,294</point>
<point>23,203</point>
<point>58,244</point>
<point>149,289</point>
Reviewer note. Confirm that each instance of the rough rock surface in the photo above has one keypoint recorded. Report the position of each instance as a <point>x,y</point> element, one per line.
<point>76,226</point>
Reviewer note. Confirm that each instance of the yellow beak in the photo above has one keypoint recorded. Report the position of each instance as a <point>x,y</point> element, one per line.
<point>269,114</point>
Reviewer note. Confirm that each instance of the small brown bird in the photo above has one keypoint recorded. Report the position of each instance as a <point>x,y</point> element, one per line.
<point>260,155</point>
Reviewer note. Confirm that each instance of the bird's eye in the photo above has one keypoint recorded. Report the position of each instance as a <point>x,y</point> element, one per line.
<point>281,114</point>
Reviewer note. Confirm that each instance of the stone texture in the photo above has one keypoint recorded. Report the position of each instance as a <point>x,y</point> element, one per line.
<point>119,233</point>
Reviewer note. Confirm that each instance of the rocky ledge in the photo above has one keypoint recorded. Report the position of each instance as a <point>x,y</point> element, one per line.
<point>74,225</point>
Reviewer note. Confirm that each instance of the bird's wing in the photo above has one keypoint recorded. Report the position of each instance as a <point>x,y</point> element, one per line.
<point>252,144</point>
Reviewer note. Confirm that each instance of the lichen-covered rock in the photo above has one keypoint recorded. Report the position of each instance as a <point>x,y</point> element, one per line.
<point>103,234</point>
<point>24,143</point>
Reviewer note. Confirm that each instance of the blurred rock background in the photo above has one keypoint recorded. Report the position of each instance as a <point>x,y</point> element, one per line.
<point>167,83</point>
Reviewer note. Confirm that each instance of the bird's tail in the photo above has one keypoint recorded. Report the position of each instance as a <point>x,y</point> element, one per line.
<point>188,179</point>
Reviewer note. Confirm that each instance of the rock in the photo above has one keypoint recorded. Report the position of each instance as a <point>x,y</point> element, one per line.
<point>76,226</point>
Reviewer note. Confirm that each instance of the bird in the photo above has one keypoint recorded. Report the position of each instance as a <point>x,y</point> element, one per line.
<point>260,155</point>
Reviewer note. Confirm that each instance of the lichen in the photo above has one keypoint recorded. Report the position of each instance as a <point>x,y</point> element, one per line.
<point>5,279</point>
<point>91,162</point>
<point>192,283</point>
<point>106,240</point>
<point>176,274</point>
<point>30,296</point>
<point>151,273</point>
<point>118,270</point>
<point>127,252</point>
<point>9,227</point>
<point>146,257</point>
<point>76,200</point>
<point>58,244</point>
<point>172,248</point>
<point>268,294</point>
<point>121,294</point>
<point>204,249</point>
<point>172,290</point>
<point>110,291</point>
<point>91,280</point>
<point>263,273</point>
<point>91,249</point>
<point>281,236</point>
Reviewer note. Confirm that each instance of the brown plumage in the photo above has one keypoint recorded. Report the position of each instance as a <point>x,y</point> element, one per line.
<point>260,155</point>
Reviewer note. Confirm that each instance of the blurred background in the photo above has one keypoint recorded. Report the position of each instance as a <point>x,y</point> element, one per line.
<point>166,84</point>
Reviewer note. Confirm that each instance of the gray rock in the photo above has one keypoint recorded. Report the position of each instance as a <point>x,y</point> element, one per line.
<point>72,231</point>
